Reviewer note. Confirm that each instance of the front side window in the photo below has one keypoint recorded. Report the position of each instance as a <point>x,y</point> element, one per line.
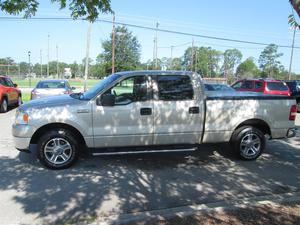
<point>132,89</point>
<point>174,87</point>
<point>237,85</point>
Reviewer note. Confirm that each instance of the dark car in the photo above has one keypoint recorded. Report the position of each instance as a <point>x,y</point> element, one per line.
<point>266,86</point>
<point>294,86</point>
<point>218,87</point>
<point>9,94</point>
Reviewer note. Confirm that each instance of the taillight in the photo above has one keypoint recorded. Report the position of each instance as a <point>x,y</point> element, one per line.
<point>293,113</point>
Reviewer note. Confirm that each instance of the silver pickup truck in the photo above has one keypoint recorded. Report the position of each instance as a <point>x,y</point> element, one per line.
<point>150,111</point>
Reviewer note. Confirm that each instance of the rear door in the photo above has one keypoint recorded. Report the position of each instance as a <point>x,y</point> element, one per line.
<point>177,111</point>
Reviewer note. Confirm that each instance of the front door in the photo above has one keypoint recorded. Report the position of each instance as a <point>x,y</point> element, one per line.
<point>130,121</point>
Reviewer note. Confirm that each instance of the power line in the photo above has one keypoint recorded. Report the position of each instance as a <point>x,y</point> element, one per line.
<point>155,29</point>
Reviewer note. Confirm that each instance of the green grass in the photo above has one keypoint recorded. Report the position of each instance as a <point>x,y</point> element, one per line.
<point>73,82</point>
<point>25,97</point>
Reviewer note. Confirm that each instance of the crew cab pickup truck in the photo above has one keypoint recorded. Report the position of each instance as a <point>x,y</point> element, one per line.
<point>150,111</point>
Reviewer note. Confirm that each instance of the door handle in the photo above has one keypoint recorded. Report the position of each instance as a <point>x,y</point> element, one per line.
<point>194,110</point>
<point>146,111</point>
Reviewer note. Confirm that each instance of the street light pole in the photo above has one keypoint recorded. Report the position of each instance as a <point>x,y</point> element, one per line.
<point>29,68</point>
<point>292,53</point>
<point>88,39</point>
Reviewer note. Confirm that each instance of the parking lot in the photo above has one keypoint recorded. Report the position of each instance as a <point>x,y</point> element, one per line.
<point>117,185</point>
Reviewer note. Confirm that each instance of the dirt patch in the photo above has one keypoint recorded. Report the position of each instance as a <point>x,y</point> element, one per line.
<point>288,214</point>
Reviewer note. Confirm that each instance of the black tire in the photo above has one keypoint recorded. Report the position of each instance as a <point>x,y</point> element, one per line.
<point>248,142</point>
<point>51,145</point>
<point>19,102</point>
<point>4,106</point>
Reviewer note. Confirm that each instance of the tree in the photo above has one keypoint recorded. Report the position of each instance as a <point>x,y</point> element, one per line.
<point>268,60</point>
<point>90,10</point>
<point>296,6</point>
<point>203,60</point>
<point>232,57</point>
<point>127,51</point>
<point>247,69</point>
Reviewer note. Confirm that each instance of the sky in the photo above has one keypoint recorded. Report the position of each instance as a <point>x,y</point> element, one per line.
<point>263,21</point>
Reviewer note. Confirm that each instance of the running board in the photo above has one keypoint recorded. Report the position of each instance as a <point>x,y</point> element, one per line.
<point>145,151</point>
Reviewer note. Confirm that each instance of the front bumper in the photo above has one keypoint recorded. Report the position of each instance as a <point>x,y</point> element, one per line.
<point>22,135</point>
<point>21,143</point>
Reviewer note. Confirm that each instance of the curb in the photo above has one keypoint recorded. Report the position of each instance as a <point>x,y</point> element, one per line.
<point>188,210</point>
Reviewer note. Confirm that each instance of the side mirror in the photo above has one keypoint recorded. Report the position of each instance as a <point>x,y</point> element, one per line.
<point>106,100</point>
<point>73,88</point>
<point>15,85</point>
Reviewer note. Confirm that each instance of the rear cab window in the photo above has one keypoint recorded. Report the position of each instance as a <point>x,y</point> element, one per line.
<point>174,87</point>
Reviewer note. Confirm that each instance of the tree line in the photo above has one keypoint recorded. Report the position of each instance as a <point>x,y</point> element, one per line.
<point>207,61</point>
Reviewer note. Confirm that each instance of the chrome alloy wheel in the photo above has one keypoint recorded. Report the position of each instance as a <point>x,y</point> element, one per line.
<point>250,145</point>
<point>58,151</point>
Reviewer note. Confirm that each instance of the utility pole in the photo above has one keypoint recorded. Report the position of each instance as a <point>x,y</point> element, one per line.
<point>154,50</point>
<point>156,63</point>
<point>48,57</point>
<point>57,72</point>
<point>88,40</point>
<point>292,53</point>
<point>192,59</point>
<point>29,68</point>
<point>41,62</point>
<point>172,56</point>
<point>113,46</point>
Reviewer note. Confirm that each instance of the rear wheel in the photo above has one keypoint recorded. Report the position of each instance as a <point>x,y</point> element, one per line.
<point>4,106</point>
<point>248,142</point>
<point>58,149</point>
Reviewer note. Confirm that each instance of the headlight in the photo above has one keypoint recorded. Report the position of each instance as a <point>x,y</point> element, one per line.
<point>21,117</point>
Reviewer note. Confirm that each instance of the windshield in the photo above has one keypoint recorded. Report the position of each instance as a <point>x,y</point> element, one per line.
<point>92,92</point>
<point>51,84</point>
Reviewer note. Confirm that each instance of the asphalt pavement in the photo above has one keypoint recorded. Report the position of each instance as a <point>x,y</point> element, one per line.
<point>118,185</point>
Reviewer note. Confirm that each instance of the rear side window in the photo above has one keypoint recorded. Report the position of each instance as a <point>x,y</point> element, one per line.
<point>2,81</point>
<point>258,85</point>
<point>277,86</point>
<point>248,84</point>
<point>174,87</point>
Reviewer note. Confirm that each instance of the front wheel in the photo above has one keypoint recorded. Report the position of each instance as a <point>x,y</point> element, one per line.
<point>58,149</point>
<point>248,142</point>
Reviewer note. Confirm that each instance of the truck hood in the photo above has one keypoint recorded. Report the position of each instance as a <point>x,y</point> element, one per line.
<point>53,101</point>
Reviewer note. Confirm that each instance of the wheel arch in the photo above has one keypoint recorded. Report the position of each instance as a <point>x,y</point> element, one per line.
<point>42,130</point>
<point>260,124</point>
